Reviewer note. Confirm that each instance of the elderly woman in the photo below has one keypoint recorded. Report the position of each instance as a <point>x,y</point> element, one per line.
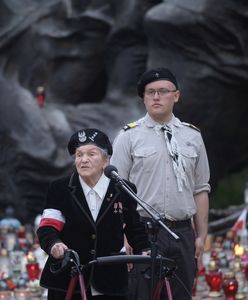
<point>85,212</point>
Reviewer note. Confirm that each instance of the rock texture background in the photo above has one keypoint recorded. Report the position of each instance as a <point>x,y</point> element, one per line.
<point>88,55</point>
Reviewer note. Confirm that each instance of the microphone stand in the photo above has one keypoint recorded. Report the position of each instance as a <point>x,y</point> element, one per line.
<point>152,227</point>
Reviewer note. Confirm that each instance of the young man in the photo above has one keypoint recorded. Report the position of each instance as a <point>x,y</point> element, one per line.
<point>86,213</point>
<point>167,161</point>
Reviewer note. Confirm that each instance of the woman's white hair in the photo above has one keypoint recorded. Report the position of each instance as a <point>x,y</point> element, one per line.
<point>104,152</point>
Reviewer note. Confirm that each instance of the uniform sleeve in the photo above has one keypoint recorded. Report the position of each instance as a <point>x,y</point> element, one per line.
<point>52,220</point>
<point>134,228</point>
<point>121,157</point>
<point>202,173</point>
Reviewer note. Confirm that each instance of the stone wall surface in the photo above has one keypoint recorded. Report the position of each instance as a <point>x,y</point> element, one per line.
<point>88,56</point>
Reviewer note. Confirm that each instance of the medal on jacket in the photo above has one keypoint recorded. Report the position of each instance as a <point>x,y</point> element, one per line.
<point>110,196</point>
<point>118,208</point>
<point>115,207</point>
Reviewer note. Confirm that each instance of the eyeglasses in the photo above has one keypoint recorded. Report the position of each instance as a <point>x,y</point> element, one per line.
<point>161,92</point>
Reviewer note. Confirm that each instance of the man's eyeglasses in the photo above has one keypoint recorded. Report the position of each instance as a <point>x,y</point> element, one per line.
<point>161,92</point>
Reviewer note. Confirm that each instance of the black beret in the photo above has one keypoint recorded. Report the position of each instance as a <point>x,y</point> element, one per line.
<point>154,75</point>
<point>89,136</point>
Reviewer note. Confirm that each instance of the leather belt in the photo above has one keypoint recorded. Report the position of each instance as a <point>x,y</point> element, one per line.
<point>171,224</point>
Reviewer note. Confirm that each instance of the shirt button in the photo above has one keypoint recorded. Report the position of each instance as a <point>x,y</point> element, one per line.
<point>93,236</point>
<point>167,178</point>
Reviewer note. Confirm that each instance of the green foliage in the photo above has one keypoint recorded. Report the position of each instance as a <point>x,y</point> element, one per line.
<point>230,191</point>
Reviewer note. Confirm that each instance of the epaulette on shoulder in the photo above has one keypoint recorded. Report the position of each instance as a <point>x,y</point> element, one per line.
<point>191,126</point>
<point>130,125</point>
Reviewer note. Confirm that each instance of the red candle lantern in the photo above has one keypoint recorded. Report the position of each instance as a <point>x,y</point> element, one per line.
<point>21,238</point>
<point>214,279</point>
<point>230,285</point>
<point>245,269</point>
<point>40,95</point>
<point>32,267</point>
<point>201,271</point>
<point>215,254</point>
<point>194,286</point>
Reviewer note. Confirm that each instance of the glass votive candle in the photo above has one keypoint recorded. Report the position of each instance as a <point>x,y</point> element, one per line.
<point>7,295</point>
<point>214,279</point>
<point>32,267</point>
<point>230,285</point>
<point>33,270</point>
<point>22,294</point>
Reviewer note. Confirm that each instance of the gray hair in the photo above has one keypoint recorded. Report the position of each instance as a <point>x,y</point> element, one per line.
<point>104,152</point>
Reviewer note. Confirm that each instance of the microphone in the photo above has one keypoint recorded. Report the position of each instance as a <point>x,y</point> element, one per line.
<point>112,173</point>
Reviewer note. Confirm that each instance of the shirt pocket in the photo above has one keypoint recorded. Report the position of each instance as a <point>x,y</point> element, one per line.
<point>190,157</point>
<point>188,152</point>
<point>144,158</point>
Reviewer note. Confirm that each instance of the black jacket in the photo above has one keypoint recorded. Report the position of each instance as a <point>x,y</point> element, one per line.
<point>89,238</point>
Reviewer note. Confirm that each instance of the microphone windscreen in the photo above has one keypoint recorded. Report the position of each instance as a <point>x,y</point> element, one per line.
<point>109,169</point>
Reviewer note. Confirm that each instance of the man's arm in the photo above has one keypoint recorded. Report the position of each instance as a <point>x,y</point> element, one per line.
<point>201,221</point>
<point>121,157</point>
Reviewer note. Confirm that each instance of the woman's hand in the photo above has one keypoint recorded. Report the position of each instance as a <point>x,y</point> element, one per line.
<point>129,251</point>
<point>58,250</point>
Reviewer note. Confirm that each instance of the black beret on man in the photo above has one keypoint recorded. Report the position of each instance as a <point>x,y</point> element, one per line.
<point>155,75</point>
<point>89,136</point>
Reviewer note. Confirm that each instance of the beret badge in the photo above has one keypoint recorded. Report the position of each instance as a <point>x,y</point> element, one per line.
<point>82,136</point>
<point>92,138</point>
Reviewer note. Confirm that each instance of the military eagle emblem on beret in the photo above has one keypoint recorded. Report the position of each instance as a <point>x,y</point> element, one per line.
<point>82,136</point>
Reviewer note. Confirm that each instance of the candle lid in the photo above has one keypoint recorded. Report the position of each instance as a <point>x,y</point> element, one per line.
<point>212,265</point>
<point>3,252</point>
<point>22,292</point>
<point>31,257</point>
<point>5,293</point>
<point>229,274</point>
<point>239,296</point>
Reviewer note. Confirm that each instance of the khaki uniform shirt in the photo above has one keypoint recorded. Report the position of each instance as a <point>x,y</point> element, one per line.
<point>140,155</point>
